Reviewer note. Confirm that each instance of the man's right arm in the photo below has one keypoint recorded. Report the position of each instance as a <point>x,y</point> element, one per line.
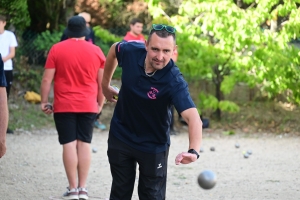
<point>109,69</point>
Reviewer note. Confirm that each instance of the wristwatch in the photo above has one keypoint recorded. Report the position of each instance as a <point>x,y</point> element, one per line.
<point>193,151</point>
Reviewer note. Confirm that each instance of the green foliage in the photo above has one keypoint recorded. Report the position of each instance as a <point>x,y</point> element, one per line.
<point>46,40</point>
<point>17,11</point>
<point>26,77</point>
<point>105,42</point>
<point>210,103</point>
<point>105,35</point>
<point>217,40</point>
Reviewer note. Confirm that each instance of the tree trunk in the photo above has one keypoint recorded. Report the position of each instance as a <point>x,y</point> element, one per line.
<point>219,94</point>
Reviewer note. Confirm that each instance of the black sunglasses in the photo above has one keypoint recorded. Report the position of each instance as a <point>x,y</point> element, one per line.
<point>159,27</point>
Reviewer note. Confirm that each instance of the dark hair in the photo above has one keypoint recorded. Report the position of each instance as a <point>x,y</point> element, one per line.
<point>161,33</point>
<point>135,20</point>
<point>3,18</point>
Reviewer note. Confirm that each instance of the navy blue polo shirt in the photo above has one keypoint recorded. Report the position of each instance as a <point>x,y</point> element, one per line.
<point>142,115</point>
<point>2,75</point>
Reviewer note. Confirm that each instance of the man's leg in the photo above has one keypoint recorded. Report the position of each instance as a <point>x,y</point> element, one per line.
<point>123,169</point>
<point>84,162</point>
<point>85,123</point>
<point>153,175</point>
<point>66,127</point>
<point>71,162</point>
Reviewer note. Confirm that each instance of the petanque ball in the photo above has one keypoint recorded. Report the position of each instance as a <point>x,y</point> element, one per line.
<point>207,179</point>
<point>212,148</point>
<point>237,145</point>
<point>246,155</point>
<point>201,149</point>
<point>94,150</point>
<point>249,152</point>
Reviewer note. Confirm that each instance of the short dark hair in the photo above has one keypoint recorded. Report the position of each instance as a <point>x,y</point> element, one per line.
<point>161,33</point>
<point>3,18</point>
<point>135,20</point>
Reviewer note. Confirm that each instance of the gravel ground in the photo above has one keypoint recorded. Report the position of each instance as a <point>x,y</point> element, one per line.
<point>33,168</point>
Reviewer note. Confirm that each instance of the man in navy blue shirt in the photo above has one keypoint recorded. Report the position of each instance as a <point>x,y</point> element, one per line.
<point>3,110</point>
<point>140,126</point>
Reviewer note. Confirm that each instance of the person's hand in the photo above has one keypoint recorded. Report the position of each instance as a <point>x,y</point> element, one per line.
<point>46,108</point>
<point>2,148</point>
<point>185,158</point>
<point>110,94</point>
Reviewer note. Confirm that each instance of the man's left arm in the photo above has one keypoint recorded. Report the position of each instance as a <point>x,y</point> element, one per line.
<point>12,52</point>
<point>192,118</point>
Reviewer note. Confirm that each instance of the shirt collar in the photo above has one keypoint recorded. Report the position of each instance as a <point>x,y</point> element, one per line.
<point>159,73</point>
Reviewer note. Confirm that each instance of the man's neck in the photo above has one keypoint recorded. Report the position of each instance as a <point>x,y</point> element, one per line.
<point>81,38</point>
<point>2,31</point>
<point>132,33</point>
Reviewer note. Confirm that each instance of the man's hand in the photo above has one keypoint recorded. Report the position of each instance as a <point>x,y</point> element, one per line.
<point>185,158</point>
<point>46,108</point>
<point>110,93</point>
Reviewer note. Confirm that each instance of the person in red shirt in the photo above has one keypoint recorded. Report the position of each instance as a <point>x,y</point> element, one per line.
<point>76,67</point>
<point>135,33</point>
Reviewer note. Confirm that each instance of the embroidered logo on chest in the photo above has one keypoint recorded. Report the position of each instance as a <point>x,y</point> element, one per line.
<point>152,93</point>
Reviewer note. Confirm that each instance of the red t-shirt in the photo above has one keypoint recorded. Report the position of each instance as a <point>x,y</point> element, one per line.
<point>76,64</point>
<point>129,37</point>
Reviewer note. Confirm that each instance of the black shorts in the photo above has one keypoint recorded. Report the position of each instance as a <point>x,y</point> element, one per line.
<point>74,126</point>
<point>152,167</point>
<point>9,79</point>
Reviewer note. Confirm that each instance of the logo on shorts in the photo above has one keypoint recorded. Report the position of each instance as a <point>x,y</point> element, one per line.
<point>159,166</point>
<point>152,93</point>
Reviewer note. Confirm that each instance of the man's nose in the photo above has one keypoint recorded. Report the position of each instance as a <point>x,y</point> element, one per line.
<point>160,56</point>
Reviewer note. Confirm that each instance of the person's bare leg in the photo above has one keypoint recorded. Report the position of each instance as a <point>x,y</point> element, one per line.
<point>84,162</point>
<point>70,160</point>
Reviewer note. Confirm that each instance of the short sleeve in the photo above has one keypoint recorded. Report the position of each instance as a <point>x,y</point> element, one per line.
<point>13,40</point>
<point>180,95</point>
<point>50,62</point>
<point>120,48</point>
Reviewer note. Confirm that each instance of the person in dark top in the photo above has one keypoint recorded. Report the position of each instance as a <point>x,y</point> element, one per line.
<point>140,126</point>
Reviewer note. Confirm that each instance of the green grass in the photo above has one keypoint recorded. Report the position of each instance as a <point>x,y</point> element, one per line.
<point>27,116</point>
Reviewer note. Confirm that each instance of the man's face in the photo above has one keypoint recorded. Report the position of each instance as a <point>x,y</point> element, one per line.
<point>137,28</point>
<point>160,51</point>
<point>2,25</point>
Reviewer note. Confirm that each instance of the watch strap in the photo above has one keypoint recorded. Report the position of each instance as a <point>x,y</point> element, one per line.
<point>193,151</point>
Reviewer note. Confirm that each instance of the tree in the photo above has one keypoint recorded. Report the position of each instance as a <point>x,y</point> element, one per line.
<point>16,11</point>
<point>225,42</point>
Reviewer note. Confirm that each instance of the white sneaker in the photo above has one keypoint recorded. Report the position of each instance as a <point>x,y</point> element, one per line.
<point>71,194</point>
<point>83,193</point>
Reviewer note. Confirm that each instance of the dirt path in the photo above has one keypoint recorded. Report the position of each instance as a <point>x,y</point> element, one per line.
<point>33,168</point>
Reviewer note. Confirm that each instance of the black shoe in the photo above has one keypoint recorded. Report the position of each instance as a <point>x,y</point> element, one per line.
<point>9,131</point>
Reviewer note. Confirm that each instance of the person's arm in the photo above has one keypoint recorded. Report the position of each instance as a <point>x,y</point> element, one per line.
<point>12,52</point>
<point>45,89</point>
<point>100,96</point>
<point>3,120</point>
<point>109,69</point>
<point>192,118</point>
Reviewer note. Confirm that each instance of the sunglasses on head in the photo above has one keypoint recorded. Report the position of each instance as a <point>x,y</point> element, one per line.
<point>159,27</point>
